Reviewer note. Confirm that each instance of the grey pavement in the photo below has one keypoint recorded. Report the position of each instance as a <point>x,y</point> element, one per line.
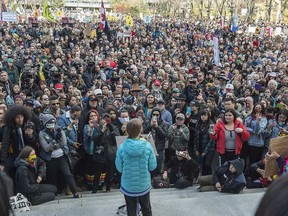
<point>165,202</point>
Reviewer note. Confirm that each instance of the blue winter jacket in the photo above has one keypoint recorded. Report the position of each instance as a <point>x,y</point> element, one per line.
<point>135,159</point>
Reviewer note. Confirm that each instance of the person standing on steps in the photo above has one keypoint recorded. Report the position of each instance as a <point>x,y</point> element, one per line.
<point>135,159</point>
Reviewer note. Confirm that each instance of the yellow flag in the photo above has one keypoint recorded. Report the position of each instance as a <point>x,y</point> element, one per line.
<point>47,13</point>
<point>129,20</point>
<point>40,72</point>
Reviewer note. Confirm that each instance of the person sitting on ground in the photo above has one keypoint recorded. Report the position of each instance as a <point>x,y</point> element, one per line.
<point>228,178</point>
<point>257,177</point>
<point>29,174</point>
<point>183,169</point>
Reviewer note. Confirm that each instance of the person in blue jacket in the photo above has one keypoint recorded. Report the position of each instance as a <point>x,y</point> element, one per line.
<point>134,160</point>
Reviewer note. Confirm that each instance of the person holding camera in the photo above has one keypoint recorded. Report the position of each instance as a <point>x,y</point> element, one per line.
<point>54,151</point>
<point>191,89</point>
<point>182,170</point>
<point>159,130</point>
<point>178,135</point>
<point>71,123</point>
<point>204,147</point>
<point>100,148</point>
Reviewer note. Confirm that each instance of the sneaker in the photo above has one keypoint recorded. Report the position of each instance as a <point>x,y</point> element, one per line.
<point>76,196</point>
<point>94,191</point>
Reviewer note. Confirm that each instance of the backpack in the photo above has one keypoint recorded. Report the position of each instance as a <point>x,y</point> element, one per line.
<point>159,183</point>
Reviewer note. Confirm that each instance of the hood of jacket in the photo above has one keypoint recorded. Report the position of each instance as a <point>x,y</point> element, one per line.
<point>134,147</point>
<point>156,109</point>
<point>239,166</point>
<point>20,162</point>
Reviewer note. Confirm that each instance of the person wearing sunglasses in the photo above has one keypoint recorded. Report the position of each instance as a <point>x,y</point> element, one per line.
<point>30,173</point>
<point>54,107</point>
<point>159,130</point>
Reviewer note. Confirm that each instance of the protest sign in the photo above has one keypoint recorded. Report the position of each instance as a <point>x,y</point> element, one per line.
<point>9,16</point>
<point>278,145</point>
<point>148,137</point>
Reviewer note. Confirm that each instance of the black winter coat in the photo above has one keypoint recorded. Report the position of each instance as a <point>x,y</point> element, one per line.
<point>186,168</point>
<point>26,177</point>
<point>159,133</point>
<point>10,138</point>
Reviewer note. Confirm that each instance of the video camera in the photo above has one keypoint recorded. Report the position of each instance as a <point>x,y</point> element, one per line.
<point>76,64</point>
<point>90,66</point>
<point>55,74</point>
<point>28,75</point>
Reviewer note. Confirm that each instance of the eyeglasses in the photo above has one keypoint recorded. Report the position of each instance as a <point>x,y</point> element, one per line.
<point>112,113</point>
<point>55,104</point>
<point>155,114</point>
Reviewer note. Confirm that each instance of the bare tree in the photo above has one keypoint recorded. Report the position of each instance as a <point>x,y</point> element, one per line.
<point>269,5</point>
<point>284,6</point>
<point>220,6</point>
<point>209,7</point>
<point>231,5</point>
<point>250,9</point>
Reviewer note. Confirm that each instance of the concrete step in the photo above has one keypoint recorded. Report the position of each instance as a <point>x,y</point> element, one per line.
<point>166,202</point>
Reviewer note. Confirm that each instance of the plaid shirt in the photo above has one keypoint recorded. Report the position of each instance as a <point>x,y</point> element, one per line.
<point>202,138</point>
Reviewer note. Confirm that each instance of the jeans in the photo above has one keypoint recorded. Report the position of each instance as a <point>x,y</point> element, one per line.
<point>227,157</point>
<point>57,166</point>
<point>144,201</point>
<point>255,154</point>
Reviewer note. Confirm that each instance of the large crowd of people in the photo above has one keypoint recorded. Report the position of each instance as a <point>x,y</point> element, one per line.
<point>67,94</point>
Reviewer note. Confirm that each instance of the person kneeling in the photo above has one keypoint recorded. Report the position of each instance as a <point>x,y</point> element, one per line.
<point>182,168</point>
<point>228,178</point>
<point>29,174</point>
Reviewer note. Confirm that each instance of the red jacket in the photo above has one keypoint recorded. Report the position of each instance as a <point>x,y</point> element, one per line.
<point>219,136</point>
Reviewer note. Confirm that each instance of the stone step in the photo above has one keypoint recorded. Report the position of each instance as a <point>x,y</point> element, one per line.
<point>168,202</point>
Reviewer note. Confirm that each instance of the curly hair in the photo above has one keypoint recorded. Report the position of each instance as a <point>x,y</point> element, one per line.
<point>14,111</point>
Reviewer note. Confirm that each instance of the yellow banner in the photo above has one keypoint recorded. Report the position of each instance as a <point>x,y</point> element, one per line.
<point>129,20</point>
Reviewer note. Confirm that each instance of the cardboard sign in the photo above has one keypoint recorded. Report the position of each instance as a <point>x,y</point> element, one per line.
<point>88,29</point>
<point>9,16</point>
<point>68,21</point>
<point>251,29</point>
<point>148,137</point>
<point>244,11</point>
<point>278,31</point>
<point>280,146</point>
<point>33,21</point>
